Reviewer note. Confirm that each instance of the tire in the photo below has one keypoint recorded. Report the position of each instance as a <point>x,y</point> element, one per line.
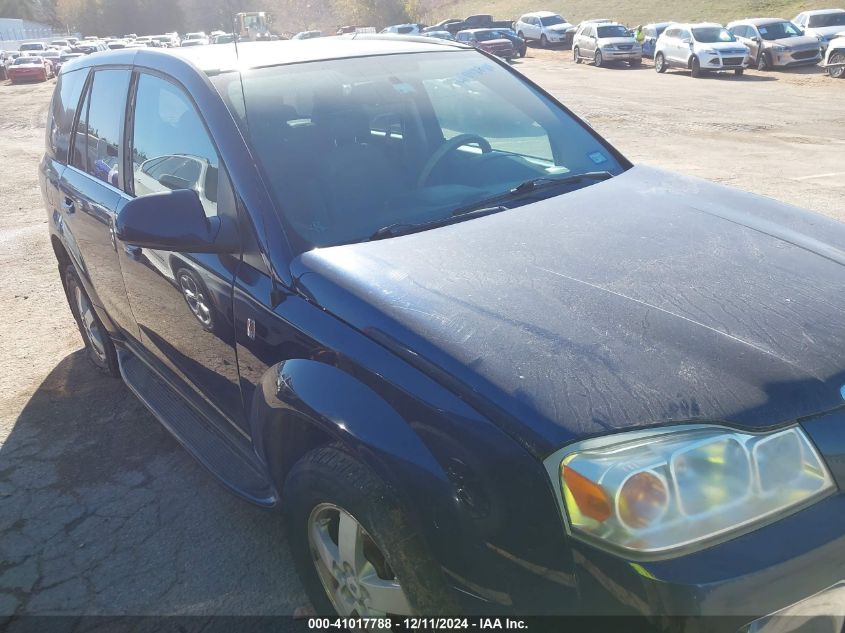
<point>327,483</point>
<point>838,72</point>
<point>634,63</point>
<point>598,60</point>
<point>576,55</point>
<point>739,71</point>
<point>544,42</point>
<point>764,62</point>
<point>695,67</point>
<point>98,344</point>
<point>523,51</point>
<point>659,63</point>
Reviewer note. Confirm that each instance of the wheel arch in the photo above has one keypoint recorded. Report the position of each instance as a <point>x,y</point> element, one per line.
<point>302,404</point>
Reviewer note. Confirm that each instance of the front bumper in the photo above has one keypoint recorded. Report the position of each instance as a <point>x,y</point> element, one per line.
<point>824,611</point>
<point>622,56</point>
<point>796,58</point>
<point>724,62</point>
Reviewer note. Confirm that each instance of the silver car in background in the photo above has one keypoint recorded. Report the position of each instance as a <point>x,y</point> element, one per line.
<point>824,24</point>
<point>776,43</point>
<point>605,42</point>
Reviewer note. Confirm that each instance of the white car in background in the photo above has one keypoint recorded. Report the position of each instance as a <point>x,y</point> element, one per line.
<point>545,27</point>
<point>33,47</point>
<point>834,60</point>
<point>195,39</point>
<point>825,24</point>
<point>404,29</point>
<point>699,48</point>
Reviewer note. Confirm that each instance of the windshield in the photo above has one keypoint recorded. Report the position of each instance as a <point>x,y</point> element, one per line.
<point>779,30</point>
<point>552,20</point>
<point>32,47</point>
<point>712,34</point>
<point>20,61</point>
<point>616,30</point>
<point>352,145</point>
<point>825,19</point>
<point>483,36</point>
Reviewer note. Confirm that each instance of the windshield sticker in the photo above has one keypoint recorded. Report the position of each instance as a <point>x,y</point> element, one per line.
<point>598,158</point>
<point>763,30</point>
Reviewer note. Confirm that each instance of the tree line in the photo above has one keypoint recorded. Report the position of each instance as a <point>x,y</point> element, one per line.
<point>145,17</point>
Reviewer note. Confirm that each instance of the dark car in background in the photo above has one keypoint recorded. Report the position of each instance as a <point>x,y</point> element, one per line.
<point>519,44</point>
<point>481,362</point>
<point>488,40</point>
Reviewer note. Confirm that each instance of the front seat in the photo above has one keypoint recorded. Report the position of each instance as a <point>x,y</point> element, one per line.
<point>357,178</point>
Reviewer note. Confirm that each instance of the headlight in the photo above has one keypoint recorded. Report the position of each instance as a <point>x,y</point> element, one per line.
<point>674,490</point>
<point>709,51</point>
<point>779,49</point>
<point>609,47</point>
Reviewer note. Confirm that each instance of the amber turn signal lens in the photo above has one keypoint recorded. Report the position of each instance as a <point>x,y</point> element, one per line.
<point>591,498</point>
<point>643,500</point>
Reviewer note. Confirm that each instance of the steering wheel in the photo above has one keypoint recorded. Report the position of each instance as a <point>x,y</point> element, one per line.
<point>450,146</point>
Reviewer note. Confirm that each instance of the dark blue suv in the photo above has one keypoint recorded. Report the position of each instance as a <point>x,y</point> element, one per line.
<point>481,362</point>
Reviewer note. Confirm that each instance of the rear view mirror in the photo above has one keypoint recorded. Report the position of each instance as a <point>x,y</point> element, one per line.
<point>173,221</point>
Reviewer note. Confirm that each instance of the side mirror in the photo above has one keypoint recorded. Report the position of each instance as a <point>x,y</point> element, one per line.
<point>173,221</point>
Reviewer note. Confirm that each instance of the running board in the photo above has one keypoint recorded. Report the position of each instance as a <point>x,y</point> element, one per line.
<point>243,475</point>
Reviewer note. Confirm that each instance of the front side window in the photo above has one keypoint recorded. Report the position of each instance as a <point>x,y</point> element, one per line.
<point>350,146</point>
<point>171,148</point>
<point>551,20</point>
<point>97,142</point>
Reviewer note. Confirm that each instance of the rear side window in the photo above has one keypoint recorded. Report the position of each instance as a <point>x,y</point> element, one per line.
<point>96,148</point>
<point>171,148</point>
<point>63,112</point>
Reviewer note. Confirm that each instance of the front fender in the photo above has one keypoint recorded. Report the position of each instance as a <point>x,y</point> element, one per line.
<point>300,398</point>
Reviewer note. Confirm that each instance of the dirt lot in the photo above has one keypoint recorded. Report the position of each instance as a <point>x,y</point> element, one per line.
<point>102,513</point>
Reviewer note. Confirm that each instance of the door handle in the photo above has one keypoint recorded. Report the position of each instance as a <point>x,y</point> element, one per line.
<point>68,205</point>
<point>134,252</point>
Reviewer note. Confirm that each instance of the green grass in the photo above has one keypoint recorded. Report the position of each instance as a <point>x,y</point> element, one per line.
<point>630,12</point>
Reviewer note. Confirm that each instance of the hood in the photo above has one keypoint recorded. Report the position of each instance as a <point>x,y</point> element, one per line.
<point>559,28</point>
<point>828,32</point>
<point>495,43</point>
<point>645,299</point>
<point>724,47</point>
<point>795,43</point>
<point>617,40</point>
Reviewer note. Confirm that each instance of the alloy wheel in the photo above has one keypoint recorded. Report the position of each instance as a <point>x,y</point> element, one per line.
<point>195,298</point>
<point>837,71</point>
<point>353,570</point>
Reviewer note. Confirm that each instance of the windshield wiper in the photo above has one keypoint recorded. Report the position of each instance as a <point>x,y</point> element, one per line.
<point>403,228</point>
<point>535,184</point>
<point>488,206</point>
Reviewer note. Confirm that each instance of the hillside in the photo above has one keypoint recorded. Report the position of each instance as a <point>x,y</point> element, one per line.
<point>627,11</point>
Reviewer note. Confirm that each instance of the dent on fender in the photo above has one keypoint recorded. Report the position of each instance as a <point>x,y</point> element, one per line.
<point>323,393</point>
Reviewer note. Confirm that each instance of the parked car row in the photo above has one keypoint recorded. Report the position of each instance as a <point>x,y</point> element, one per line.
<point>762,43</point>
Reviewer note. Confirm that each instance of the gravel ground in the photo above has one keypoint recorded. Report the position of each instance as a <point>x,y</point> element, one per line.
<point>101,512</point>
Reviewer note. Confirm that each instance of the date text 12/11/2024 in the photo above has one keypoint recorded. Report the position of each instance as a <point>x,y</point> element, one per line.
<point>416,624</point>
